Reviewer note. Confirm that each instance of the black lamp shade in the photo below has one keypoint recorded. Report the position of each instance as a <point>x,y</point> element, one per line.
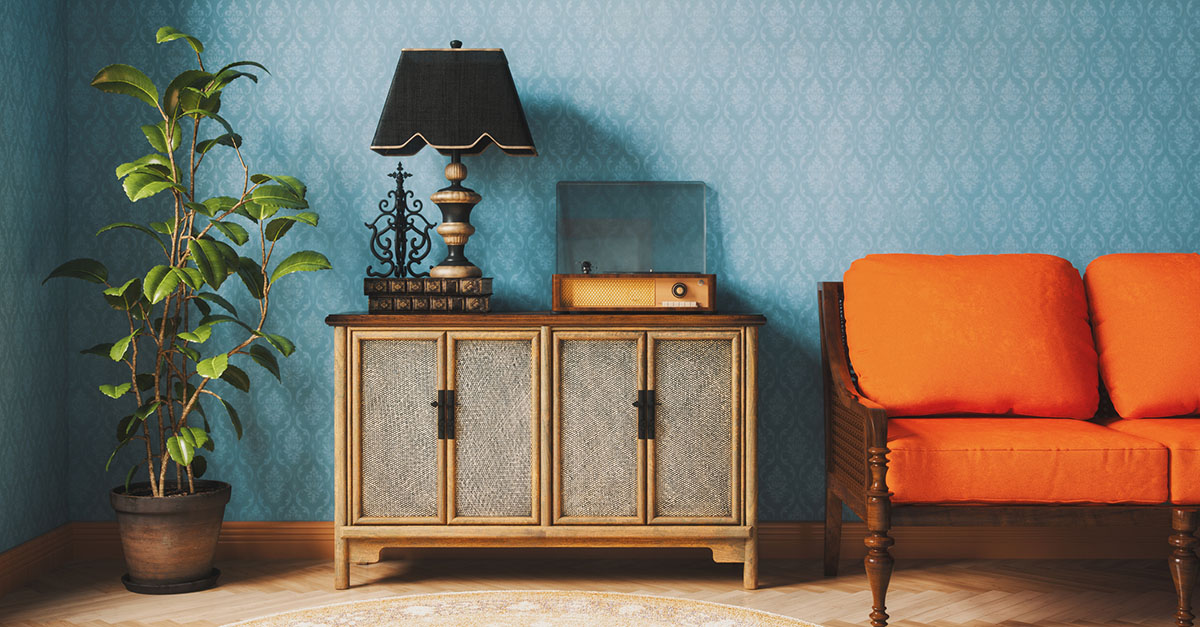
<point>454,100</point>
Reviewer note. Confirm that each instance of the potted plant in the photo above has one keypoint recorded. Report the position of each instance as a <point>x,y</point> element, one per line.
<point>185,340</point>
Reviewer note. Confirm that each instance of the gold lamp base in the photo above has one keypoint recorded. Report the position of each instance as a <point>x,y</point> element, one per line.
<point>456,203</point>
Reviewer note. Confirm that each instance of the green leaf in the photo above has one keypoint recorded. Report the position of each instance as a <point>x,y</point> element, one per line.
<point>265,358</point>
<point>145,381</point>
<point>120,446</point>
<point>306,217</point>
<point>141,185</point>
<point>257,211</point>
<point>251,275</point>
<point>223,78</point>
<point>219,204</point>
<point>236,377</point>
<point>86,269</point>
<point>197,436</point>
<point>146,409</point>
<point>199,208</point>
<point>233,418</point>
<point>231,256</point>
<point>124,297</point>
<point>126,80</point>
<point>214,298</point>
<point>210,261</point>
<point>120,347</point>
<point>101,350</point>
<point>233,140</point>
<point>295,185</point>
<point>234,231</point>
<point>213,367</point>
<point>212,115</point>
<point>180,450</point>
<point>136,227</point>
<point>159,283</point>
<point>120,289</point>
<point>303,261</point>
<point>168,33</point>
<point>125,430</point>
<point>190,277</point>
<point>191,353</point>
<point>156,134</point>
<point>277,228</point>
<point>243,64</point>
<point>199,464</point>
<point>115,391</point>
<point>178,93</point>
<point>200,335</point>
<point>221,318</point>
<point>129,476</point>
<point>163,227</point>
<point>152,162</point>
<point>281,344</point>
<point>278,196</point>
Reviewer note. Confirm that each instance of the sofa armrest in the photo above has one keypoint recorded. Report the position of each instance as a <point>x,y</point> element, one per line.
<point>855,426</point>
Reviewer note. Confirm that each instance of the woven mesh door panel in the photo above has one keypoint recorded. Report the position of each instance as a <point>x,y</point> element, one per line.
<point>399,428</point>
<point>598,427</point>
<point>693,428</point>
<point>492,432</point>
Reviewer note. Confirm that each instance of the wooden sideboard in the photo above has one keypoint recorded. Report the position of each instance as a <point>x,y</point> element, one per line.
<point>545,430</point>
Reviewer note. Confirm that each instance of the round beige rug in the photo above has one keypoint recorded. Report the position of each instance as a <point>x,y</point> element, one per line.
<point>535,608</point>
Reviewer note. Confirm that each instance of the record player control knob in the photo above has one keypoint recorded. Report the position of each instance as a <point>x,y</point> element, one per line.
<point>679,290</point>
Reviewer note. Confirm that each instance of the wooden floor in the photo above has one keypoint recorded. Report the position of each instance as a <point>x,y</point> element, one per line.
<point>941,593</point>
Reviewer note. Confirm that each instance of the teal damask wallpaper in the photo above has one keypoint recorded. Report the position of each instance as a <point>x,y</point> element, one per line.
<point>33,428</point>
<point>825,130</point>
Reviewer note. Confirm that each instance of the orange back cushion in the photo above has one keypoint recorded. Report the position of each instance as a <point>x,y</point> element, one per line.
<point>1146,319</point>
<point>983,334</point>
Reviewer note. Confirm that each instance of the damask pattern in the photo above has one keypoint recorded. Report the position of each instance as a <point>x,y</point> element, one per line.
<point>33,430</point>
<point>825,130</point>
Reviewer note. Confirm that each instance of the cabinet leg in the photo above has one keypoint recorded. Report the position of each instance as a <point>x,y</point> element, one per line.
<point>750,565</point>
<point>341,565</point>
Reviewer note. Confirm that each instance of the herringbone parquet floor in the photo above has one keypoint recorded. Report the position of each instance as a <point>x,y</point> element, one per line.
<point>935,593</point>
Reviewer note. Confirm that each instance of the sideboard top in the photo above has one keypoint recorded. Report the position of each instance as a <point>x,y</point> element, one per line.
<point>546,318</point>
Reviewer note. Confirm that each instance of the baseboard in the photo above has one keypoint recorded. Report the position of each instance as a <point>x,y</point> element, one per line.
<point>777,540</point>
<point>31,559</point>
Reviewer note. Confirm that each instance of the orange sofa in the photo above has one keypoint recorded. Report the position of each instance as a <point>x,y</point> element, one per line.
<point>976,390</point>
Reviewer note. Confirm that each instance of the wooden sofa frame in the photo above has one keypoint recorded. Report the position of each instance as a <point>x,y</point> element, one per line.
<point>856,465</point>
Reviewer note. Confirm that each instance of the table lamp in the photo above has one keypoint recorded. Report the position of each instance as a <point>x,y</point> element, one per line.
<point>459,101</point>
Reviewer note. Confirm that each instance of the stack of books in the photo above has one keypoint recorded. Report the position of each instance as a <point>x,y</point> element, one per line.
<point>472,295</point>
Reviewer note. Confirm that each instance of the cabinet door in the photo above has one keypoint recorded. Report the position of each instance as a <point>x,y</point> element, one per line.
<point>599,462</point>
<point>492,460</point>
<point>396,456</point>
<point>694,457</point>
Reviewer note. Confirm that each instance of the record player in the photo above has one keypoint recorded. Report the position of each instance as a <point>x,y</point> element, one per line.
<point>636,246</point>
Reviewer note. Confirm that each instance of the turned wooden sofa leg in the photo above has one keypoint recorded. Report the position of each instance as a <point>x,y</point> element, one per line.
<point>833,530</point>
<point>1183,561</point>
<point>878,562</point>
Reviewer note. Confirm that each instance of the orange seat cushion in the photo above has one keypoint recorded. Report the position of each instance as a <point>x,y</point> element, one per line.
<point>1181,436</point>
<point>1021,460</point>
<point>1146,318</point>
<point>983,334</point>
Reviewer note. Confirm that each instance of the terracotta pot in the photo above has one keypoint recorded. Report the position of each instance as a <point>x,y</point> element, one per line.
<point>170,542</point>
